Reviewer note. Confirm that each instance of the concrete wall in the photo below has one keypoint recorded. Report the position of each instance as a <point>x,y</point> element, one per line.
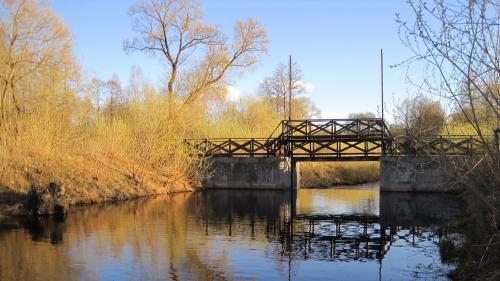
<point>250,173</point>
<point>397,173</point>
<point>414,173</point>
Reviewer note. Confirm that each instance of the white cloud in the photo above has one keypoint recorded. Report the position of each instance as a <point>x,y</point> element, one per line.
<point>232,93</point>
<point>306,87</point>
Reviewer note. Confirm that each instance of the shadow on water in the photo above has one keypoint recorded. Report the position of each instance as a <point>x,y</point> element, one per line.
<point>226,235</point>
<point>419,209</point>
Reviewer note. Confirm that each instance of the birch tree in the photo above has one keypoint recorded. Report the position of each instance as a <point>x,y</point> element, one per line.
<point>276,87</point>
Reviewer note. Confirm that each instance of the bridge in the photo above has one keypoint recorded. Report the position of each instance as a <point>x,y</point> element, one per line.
<point>362,139</point>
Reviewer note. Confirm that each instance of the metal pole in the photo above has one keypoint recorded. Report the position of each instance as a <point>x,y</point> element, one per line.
<point>292,162</point>
<point>284,106</point>
<point>290,88</point>
<point>382,80</point>
<point>382,97</point>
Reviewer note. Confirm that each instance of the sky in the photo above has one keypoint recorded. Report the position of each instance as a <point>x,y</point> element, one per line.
<point>336,43</point>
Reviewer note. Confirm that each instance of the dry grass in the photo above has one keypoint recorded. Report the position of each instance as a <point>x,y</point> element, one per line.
<point>322,174</point>
<point>129,155</point>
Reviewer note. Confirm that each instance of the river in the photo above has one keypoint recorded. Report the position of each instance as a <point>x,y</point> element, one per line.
<point>344,233</point>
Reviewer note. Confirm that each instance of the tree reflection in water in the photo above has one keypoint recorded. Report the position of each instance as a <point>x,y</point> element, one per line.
<point>227,235</point>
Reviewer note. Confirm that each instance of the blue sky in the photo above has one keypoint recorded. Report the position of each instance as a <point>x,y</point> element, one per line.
<point>336,43</point>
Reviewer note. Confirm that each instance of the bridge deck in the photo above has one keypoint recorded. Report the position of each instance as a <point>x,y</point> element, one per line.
<point>334,140</point>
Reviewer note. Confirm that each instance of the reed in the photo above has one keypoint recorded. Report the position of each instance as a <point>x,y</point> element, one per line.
<point>322,174</point>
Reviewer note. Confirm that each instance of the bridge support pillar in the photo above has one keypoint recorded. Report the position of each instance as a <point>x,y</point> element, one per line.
<point>295,165</point>
<point>251,173</point>
<point>419,173</point>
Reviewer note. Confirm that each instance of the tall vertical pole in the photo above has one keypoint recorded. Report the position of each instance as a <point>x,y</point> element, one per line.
<point>292,162</point>
<point>382,80</point>
<point>290,88</point>
<point>284,106</point>
<point>382,97</point>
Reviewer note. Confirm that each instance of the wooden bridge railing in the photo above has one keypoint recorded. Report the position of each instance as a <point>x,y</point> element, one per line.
<point>333,128</point>
<point>450,145</point>
<point>235,147</point>
<point>334,139</point>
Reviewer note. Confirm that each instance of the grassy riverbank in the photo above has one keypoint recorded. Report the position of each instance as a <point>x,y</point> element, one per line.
<point>103,157</point>
<point>74,184</point>
<point>318,174</point>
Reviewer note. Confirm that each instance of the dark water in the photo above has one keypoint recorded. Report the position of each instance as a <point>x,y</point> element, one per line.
<point>334,234</point>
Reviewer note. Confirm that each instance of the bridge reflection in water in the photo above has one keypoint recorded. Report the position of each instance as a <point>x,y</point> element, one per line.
<point>226,235</point>
<point>365,234</point>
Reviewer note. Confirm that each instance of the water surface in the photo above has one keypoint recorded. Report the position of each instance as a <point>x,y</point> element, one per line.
<point>350,233</point>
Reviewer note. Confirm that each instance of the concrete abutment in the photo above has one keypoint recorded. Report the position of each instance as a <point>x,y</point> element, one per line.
<point>252,173</point>
<point>420,173</point>
<point>397,173</point>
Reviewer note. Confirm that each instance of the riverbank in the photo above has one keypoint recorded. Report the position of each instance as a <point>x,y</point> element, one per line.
<point>21,208</point>
<point>59,196</point>
<point>322,175</point>
<point>112,161</point>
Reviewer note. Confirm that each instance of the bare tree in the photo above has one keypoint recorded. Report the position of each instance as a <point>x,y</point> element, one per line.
<point>276,88</point>
<point>174,30</point>
<point>418,117</point>
<point>361,115</point>
<point>115,93</point>
<point>33,40</point>
<point>459,43</point>
<point>96,89</point>
<point>135,87</point>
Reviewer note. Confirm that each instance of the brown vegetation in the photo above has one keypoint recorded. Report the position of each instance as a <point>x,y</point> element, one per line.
<point>418,117</point>
<point>318,174</point>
